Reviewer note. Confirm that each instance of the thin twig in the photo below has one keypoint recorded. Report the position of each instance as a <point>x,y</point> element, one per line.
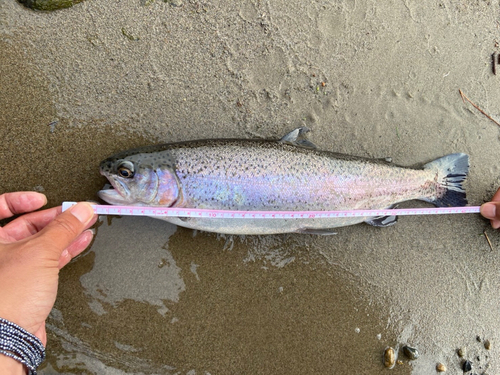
<point>488,239</point>
<point>464,98</point>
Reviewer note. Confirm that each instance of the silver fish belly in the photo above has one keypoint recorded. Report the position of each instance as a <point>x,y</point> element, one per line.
<point>275,175</point>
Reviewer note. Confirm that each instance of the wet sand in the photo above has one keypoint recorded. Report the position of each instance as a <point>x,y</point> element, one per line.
<point>369,79</point>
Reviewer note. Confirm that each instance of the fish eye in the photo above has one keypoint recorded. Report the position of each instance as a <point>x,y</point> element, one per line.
<point>124,172</point>
<point>126,169</point>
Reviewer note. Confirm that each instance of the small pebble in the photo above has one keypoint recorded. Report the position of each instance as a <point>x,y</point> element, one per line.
<point>440,367</point>
<point>410,352</point>
<point>389,357</point>
<point>52,126</point>
<point>487,345</point>
<point>48,5</point>
<point>461,352</point>
<point>467,366</point>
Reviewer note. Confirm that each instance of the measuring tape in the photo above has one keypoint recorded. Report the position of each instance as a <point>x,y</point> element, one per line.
<point>235,214</point>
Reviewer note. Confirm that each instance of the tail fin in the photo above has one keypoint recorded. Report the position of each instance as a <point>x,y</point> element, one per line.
<point>451,171</point>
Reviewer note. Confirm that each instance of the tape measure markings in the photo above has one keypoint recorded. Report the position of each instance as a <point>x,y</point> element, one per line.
<point>234,214</point>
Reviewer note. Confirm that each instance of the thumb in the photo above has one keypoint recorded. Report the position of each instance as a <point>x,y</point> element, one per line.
<point>65,228</point>
<point>489,210</point>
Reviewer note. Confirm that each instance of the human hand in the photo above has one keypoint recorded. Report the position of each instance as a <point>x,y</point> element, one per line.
<point>33,248</point>
<point>491,210</point>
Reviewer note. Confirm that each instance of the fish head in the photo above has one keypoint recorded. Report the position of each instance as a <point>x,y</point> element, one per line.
<point>139,179</point>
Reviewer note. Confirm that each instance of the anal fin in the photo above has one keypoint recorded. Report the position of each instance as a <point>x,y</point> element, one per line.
<point>382,221</point>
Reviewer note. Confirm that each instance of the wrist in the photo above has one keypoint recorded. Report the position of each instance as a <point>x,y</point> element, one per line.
<point>10,366</point>
<point>20,345</point>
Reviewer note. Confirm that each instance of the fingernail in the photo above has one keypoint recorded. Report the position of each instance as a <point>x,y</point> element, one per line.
<point>488,210</point>
<point>83,212</point>
<point>86,237</point>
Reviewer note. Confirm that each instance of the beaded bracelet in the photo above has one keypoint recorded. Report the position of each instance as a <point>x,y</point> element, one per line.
<point>19,344</point>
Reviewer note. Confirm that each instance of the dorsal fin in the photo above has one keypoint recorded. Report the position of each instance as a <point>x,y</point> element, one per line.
<point>296,138</point>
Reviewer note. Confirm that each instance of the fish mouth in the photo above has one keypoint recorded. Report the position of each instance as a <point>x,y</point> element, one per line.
<point>111,196</point>
<point>116,193</point>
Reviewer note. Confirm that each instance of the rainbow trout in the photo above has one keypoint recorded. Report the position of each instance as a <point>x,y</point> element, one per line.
<point>289,174</point>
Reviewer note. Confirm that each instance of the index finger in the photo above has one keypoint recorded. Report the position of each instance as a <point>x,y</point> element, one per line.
<point>30,224</point>
<point>20,202</point>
